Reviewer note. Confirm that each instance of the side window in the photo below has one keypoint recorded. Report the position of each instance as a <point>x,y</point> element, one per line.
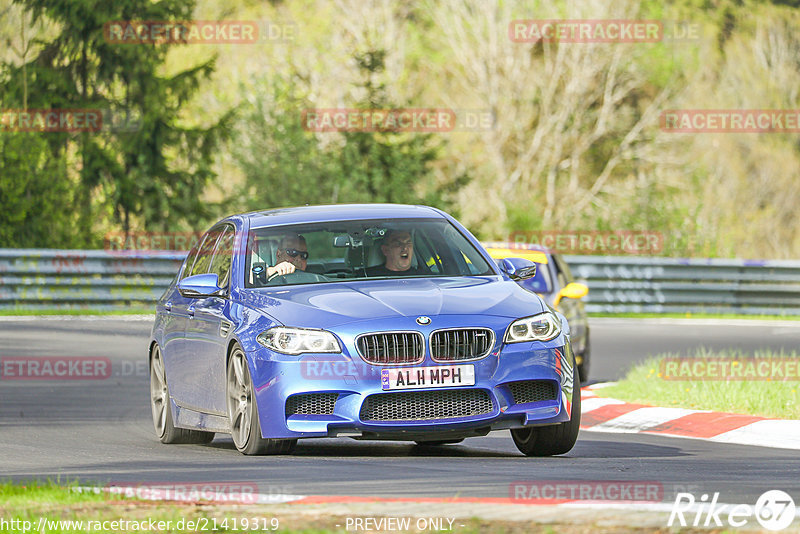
<point>221,260</point>
<point>187,267</point>
<point>540,283</point>
<point>424,255</point>
<point>203,260</point>
<point>467,259</point>
<point>564,268</point>
<point>560,276</point>
<point>563,277</point>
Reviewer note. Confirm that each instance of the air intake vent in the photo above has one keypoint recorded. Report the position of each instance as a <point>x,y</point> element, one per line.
<point>391,348</point>
<point>461,344</point>
<point>533,391</point>
<point>311,404</point>
<point>426,405</point>
<point>224,328</point>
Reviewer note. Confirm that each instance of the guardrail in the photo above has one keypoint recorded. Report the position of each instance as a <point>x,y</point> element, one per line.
<point>45,278</point>
<point>661,285</point>
<point>98,279</point>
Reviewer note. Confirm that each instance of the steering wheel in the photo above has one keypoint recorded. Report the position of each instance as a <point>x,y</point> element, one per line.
<point>297,277</point>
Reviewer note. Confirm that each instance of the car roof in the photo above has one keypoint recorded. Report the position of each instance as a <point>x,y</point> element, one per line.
<point>338,212</point>
<point>536,256</point>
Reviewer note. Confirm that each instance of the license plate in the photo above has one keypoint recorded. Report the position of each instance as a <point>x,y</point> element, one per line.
<point>428,377</point>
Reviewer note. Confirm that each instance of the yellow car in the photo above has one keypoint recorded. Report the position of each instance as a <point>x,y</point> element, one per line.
<point>554,283</point>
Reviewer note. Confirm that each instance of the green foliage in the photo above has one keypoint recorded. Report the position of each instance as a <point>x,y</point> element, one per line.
<point>282,163</point>
<point>524,217</point>
<point>36,201</point>
<point>762,396</point>
<point>286,165</point>
<point>564,113</point>
<point>149,169</point>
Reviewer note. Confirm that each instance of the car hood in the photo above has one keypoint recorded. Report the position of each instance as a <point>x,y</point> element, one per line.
<point>331,304</point>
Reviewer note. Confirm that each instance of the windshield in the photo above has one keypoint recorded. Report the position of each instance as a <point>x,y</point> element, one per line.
<point>360,250</point>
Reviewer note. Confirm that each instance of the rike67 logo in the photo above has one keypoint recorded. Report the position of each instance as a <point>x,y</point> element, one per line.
<point>774,510</point>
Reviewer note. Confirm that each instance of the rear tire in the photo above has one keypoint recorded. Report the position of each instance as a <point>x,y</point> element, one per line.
<point>555,439</point>
<point>243,411</point>
<point>161,408</point>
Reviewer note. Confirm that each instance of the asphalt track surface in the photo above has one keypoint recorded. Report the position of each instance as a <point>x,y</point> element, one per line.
<point>100,431</point>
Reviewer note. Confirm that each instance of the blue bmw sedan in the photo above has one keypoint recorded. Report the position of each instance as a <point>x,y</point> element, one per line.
<point>375,321</point>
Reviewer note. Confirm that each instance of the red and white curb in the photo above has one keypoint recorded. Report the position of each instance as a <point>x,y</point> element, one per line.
<point>603,414</point>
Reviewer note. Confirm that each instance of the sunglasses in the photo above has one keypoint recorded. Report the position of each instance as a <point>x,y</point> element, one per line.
<point>293,252</point>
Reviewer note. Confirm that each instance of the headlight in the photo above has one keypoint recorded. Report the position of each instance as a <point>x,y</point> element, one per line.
<point>542,327</point>
<point>298,340</point>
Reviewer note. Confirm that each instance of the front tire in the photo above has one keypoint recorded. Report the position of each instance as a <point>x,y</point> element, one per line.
<point>243,411</point>
<point>554,439</point>
<point>161,409</point>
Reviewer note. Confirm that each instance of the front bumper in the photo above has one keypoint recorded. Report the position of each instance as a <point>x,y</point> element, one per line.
<point>337,395</point>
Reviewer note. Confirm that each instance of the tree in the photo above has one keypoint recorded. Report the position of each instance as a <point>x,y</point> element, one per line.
<point>285,164</point>
<point>572,119</point>
<point>151,171</point>
<point>383,166</point>
<point>36,202</point>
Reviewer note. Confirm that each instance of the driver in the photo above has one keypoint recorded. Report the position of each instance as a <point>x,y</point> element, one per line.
<point>292,255</point>
<point>398,248</point>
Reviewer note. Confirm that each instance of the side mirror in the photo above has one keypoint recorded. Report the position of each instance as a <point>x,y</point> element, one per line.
<point>200,285</point>
<point>517,268</point>
<point>573,290</point>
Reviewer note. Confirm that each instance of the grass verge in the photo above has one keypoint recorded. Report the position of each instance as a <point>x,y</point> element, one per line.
<point>47,507</point>
<point>724,381</point>
<point>67,508</point>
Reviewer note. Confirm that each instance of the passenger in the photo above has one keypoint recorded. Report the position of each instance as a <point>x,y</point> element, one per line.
<point>398,248</point>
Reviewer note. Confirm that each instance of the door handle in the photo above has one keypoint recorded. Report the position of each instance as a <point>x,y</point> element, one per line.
<point>168,306</point>
<point>191,311</point>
